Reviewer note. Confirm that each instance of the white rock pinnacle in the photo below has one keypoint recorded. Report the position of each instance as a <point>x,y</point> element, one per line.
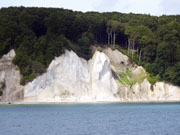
<point>70,79</point>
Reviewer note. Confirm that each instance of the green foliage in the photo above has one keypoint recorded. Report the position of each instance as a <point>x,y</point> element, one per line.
<point>40,34</point>
<point>125,79</point>
<point>27,78</point>
<point>166,51</point>
<point>84,40</point>
<point>153,79</point>
<point>33,60</point>
<point>84,44</point>
<point>149,54</point>
<point>128,78</point>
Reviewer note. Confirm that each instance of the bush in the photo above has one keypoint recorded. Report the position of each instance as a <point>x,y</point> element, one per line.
<point>84,43</point>
<point>26,79</point>
<point>153,79</point>
<point>129,78</point>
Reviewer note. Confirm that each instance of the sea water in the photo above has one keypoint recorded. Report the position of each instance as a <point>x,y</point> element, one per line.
<point>91,119</point>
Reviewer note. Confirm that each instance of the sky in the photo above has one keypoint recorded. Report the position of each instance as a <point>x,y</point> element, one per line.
<point>153,7</point>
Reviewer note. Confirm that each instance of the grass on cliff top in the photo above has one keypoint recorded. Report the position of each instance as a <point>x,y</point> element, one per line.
<point>128,78</point>
<point>150,77</point>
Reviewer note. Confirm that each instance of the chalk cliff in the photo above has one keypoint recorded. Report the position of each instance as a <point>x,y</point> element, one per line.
<point>133,83</point>
<point>10,79</point>
<point>108,76</point>
<point>70,78</point>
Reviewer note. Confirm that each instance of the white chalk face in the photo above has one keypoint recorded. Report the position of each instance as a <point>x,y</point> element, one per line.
<point>70,79</point>
<point>10,78</point>
<point>73,79</point>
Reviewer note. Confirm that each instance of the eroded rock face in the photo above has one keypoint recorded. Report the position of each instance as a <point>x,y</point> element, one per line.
<point>70,79</point>
<point>108,76</point>
<point>117,57</point>
<point>142,90</point>
<point>73,79</point>
<point>165,91</point>
<point>103,85</point>
<point>10,79</point>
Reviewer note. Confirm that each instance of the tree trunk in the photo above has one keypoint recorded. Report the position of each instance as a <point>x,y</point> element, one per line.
<point>111,37</point>
<point>133,44</point>
<point>108,33</point>
<point>140,55</point>
<point>114,40</point>
<point>108,38</point>
<point>126,42</point>
<point>128,46</point>
<point>137,51</point>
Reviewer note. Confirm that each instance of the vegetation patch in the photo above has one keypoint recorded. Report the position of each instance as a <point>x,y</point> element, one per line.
<point>128,78</point>
<point>40,34</point>
<point>28,78</point>
<point>153,79</point>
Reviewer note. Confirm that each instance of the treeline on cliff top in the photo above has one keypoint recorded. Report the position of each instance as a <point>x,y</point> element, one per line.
<point>40,34</point>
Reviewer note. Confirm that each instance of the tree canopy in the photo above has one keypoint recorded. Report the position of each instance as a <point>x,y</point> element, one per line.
<point>40,34</point>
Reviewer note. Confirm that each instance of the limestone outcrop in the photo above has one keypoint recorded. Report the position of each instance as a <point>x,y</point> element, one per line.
<point>133,83</point>
<point>108,76</point>
<point>70,79</point>
<point>10,79</point>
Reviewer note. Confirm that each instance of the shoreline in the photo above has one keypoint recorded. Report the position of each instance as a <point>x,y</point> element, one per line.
<point>95,102</point>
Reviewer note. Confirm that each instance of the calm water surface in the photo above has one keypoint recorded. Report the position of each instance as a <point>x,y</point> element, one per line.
<point>91,119</point>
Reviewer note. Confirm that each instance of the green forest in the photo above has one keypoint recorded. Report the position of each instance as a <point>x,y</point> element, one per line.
<point>40,34</point>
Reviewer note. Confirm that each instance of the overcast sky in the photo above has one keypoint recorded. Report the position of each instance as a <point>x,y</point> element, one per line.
<point>153,7</point>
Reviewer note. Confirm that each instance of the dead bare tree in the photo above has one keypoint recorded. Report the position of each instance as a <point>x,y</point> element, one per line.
<point>111,36</point>
<point>140,55</point>
<point>133,44</point>
<point>112,26</point>
<point>137,50</point>
<point>108,32</point>
<point>128,46</point>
